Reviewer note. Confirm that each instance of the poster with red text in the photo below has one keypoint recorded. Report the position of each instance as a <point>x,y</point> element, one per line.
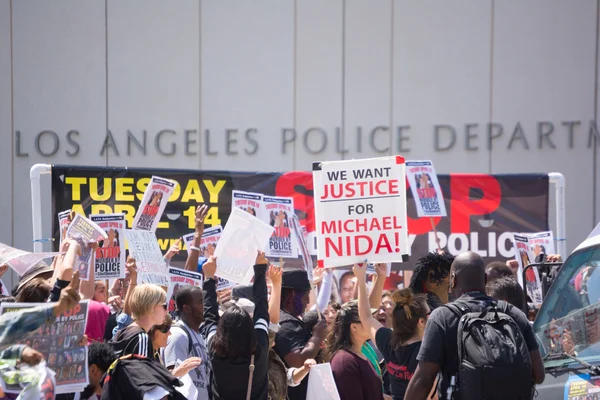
<point>425,189</point>
<point>541,242</point>
<point>360,211</point>
<point>85,232</point>
<point>153,204</point>
<point>278,213</point>
<point>533,285</point>
<point>63,223</point>
<point>247,201</point>
<point>180,278</point>
<point>110,254</point>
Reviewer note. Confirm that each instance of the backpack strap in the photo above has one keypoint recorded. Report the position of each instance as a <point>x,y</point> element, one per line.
<point>251,367</point>
<point>189,336</point>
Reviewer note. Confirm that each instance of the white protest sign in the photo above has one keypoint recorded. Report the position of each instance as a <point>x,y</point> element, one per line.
<point>308,262</point>
<point>372,271</point>
<point>524,255</point>
<point>243,236</point>
<point>153,203</point>
<point>208,245</point>
<point>278,212</point>
<point>360,211</point>
<point>20,260</point>
<point>425,189</point>
<point>541,242</point>
<point>63,223</point>
<point>321,385</point>
<point>179,278</point>
<point>250,202</point>
<point>151,265</point>
<point>110,255</point>
<point>85,232</point>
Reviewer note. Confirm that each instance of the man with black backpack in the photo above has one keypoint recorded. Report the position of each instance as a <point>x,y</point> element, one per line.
<point>483,349</point>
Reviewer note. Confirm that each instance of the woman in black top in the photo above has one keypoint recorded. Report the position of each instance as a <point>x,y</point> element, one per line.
<point>238,337</point>
<point>401,345</point>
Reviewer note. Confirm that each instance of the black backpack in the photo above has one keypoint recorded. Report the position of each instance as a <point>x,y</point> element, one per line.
<point>493,359</point>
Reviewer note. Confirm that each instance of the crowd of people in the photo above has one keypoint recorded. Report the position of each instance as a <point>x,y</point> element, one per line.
<point>261,341</point>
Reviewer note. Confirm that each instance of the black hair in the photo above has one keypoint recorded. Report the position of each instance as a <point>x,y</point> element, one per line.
<point>339,337</point>
<point>35,291</point>
<point>101,355</point>
<point>184,296</point>
<point>235,336</point>
<point>433,267</point>
<point>498,269</point>
<point>310,319</point>
<point>507,289</point>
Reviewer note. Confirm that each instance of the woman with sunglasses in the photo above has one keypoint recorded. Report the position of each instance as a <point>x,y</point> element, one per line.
<point>401,345</point>
<point>148,306</point>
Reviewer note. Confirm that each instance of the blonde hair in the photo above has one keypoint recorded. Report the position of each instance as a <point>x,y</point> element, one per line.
<point>144,298</point>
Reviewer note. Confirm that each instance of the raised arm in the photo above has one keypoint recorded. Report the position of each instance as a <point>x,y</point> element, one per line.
<point>191,264</point>
<point>364,310</point>
<point>325,291</point>
<point>173,251</point>
<point>259,295</point>
<point>377,290</point>
<point>132,269</point>
<point>275,274</point>
<point>211,303</point>
<point>89,287</point>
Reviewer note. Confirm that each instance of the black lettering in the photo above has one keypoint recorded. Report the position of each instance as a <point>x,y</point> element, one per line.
<point>447,128</point>
<point>593,136</point>
<point>400,138</point>
<point>359,139</point>
<point>340,141</point>
<point>372,139</point>
<point>494,131</point>
<point>55,146</point>
<point>518,134</point>
<point>188,141</point>
<point>305,140</point>
<point>544,130</point>
<point>571,130</point>
<point>229,142</point>
<point>157,143</point>
<point>207,144</point>
<point>109,142</point>
<point>73,143</point>
<point>141,146</point>
<point>285,139</point>
<point>469,135</point>
<point>251,140</point>
<point>18,145</point>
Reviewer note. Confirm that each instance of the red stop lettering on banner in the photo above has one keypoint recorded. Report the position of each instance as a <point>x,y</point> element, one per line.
<point>419,226</point>
<point>462,207</point>
<point>299,185</point>
<point>74,311</point>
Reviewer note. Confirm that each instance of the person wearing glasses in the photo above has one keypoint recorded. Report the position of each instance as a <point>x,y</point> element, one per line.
<point>148,306</point>
<point>401,345</point>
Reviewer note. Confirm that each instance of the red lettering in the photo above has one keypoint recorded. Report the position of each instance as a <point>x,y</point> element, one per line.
<point>299,186</point>
<point>365,239</point>
<point>331,246</point>
<point>383,243</point>
<point>419,226</point>
<point>463,207</point>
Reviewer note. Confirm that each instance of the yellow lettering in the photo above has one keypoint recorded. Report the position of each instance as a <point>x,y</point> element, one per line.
<point>106,188</point>
<point>101,209</point>
<point>190,213</point>
<point>175,194</point>
<point>163,224</point>
<point>192,192</point>
<point>76,187</point>
<point>129,212</point>
<point>164,243</point>
<point>121,190</point>
<point>141,186</point>
<point>214,190</point>
<point>212,218</point>
<point>78,208</point>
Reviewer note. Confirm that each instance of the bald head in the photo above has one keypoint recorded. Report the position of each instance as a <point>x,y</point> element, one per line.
<point>467,273</point>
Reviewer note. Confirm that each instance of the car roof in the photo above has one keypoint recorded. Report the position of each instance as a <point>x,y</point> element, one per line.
<point>589,242</point>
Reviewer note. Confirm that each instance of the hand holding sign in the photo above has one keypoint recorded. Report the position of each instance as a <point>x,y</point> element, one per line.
<point>261,259</point>
<point>31,356</point>
<point>201,212</point>
<point>210,267</point>
<point>131,269</point>
<point>173,250</point>
<point>69,297</point>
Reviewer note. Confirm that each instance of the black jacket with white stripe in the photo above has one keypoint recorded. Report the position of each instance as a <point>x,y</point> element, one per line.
<point>132,340</point>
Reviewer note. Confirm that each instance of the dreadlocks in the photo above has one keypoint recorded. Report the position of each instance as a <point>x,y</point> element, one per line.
<point>433,267</point>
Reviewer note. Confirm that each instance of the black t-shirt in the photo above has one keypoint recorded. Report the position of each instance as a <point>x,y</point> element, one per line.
<point>401,362</point>
<point>439,344</point>
<point>292,336</point>
<point>132,340</point>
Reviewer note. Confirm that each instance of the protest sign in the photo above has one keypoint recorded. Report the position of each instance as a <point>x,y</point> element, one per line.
<point>243,236</point>
<point>372,271</point>
<point>360,211</point>
<point>20,260</point>
<point>524,255</point>
<point>278,213</point>
<point>541,242</point>
<point>151,265</point>
<point>247,201</point>
<point>179,278</point>
<point>59,342</point>
<point>153,203</point>
<point>304,251</point>
<point>321,385</point>
<point>85,232</point>
<point>110,254</point>
<point>208,244</point>
<point>63,223</point>
<point>425,188</point>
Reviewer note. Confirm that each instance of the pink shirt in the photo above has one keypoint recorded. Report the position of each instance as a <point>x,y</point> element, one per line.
<point>98,314</point>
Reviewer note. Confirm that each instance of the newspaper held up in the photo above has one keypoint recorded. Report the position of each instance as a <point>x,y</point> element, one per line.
<point>425,189</point>
<point>153,204</point>
<point>143,246</point>
<point>278,213</point>
<point>252,203</point>
<point>110,254</point>
<point>21,261</point>
<point>524,255</point>
<point>180,278</point>
<point>85,232</point>
<point>63,223</point>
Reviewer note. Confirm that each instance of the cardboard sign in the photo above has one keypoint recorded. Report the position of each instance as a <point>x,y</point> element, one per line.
<point>243,236</point>
<point>59,342</point>
<point>151,265</point>
<point>85,232</point>
<point>360,211</point>
<point>303,246</point>
<point>425,188</point>
<point>179,278</point>
<point>278,213</point>
<point>533,285</point>
<point>63,223</point>
<point>252,203</point>
<point>20,260</point>
<point>110,254</point>
<point>321,385</point>
<point>153,204</point>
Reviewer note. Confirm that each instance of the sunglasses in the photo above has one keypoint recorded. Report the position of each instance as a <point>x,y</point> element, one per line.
<point>165,306</point>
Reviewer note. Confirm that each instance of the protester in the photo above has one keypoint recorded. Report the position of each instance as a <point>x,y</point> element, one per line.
<point>507,289</point>
<point>496,270</point>
<point>239,351</point>
<point>98,313</point>
<point>124,318</point>
<point>148,305</point>
<point>294,344</point>
<point>330,312</point>
<point>159,334</point>
<point>354,375</point>
<point>347,287</point>
<point>36,290</point>
<point>40,270</point>
<point>439,351</point>
<point>430,276</point>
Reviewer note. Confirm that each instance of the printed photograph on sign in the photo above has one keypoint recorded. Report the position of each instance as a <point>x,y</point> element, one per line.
<point>151,265</point>
<point>541,243</point>
<point>247,201</point>
<point>360,211</point>
<point>208,245</point>
<point>524,255</point>
<point>85,232</point>
<point>153,203</point>
<point>303,247</point>
<point>63,223</point>
<point>110,255</point>
<point>425,189</point>
<point>180,278</point>
<point>278,213</point>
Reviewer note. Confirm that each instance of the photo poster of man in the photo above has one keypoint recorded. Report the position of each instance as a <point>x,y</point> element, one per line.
<point>180,278</point>
<point>524,255</point>
<point>250,202</point>
<point>425,189</point>
<point>278,213</point>
<point>60,343</point>
<point>153,204</point>
<point>303,246</point>
<point>85,232</point>
<point>110,254</point>
<point>63,223</point>
<point>541,243</point>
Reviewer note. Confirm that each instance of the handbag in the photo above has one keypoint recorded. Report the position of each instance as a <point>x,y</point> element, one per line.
<point>251,367</point>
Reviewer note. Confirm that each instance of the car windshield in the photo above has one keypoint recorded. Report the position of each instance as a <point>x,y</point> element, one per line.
<point>569,319</point>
